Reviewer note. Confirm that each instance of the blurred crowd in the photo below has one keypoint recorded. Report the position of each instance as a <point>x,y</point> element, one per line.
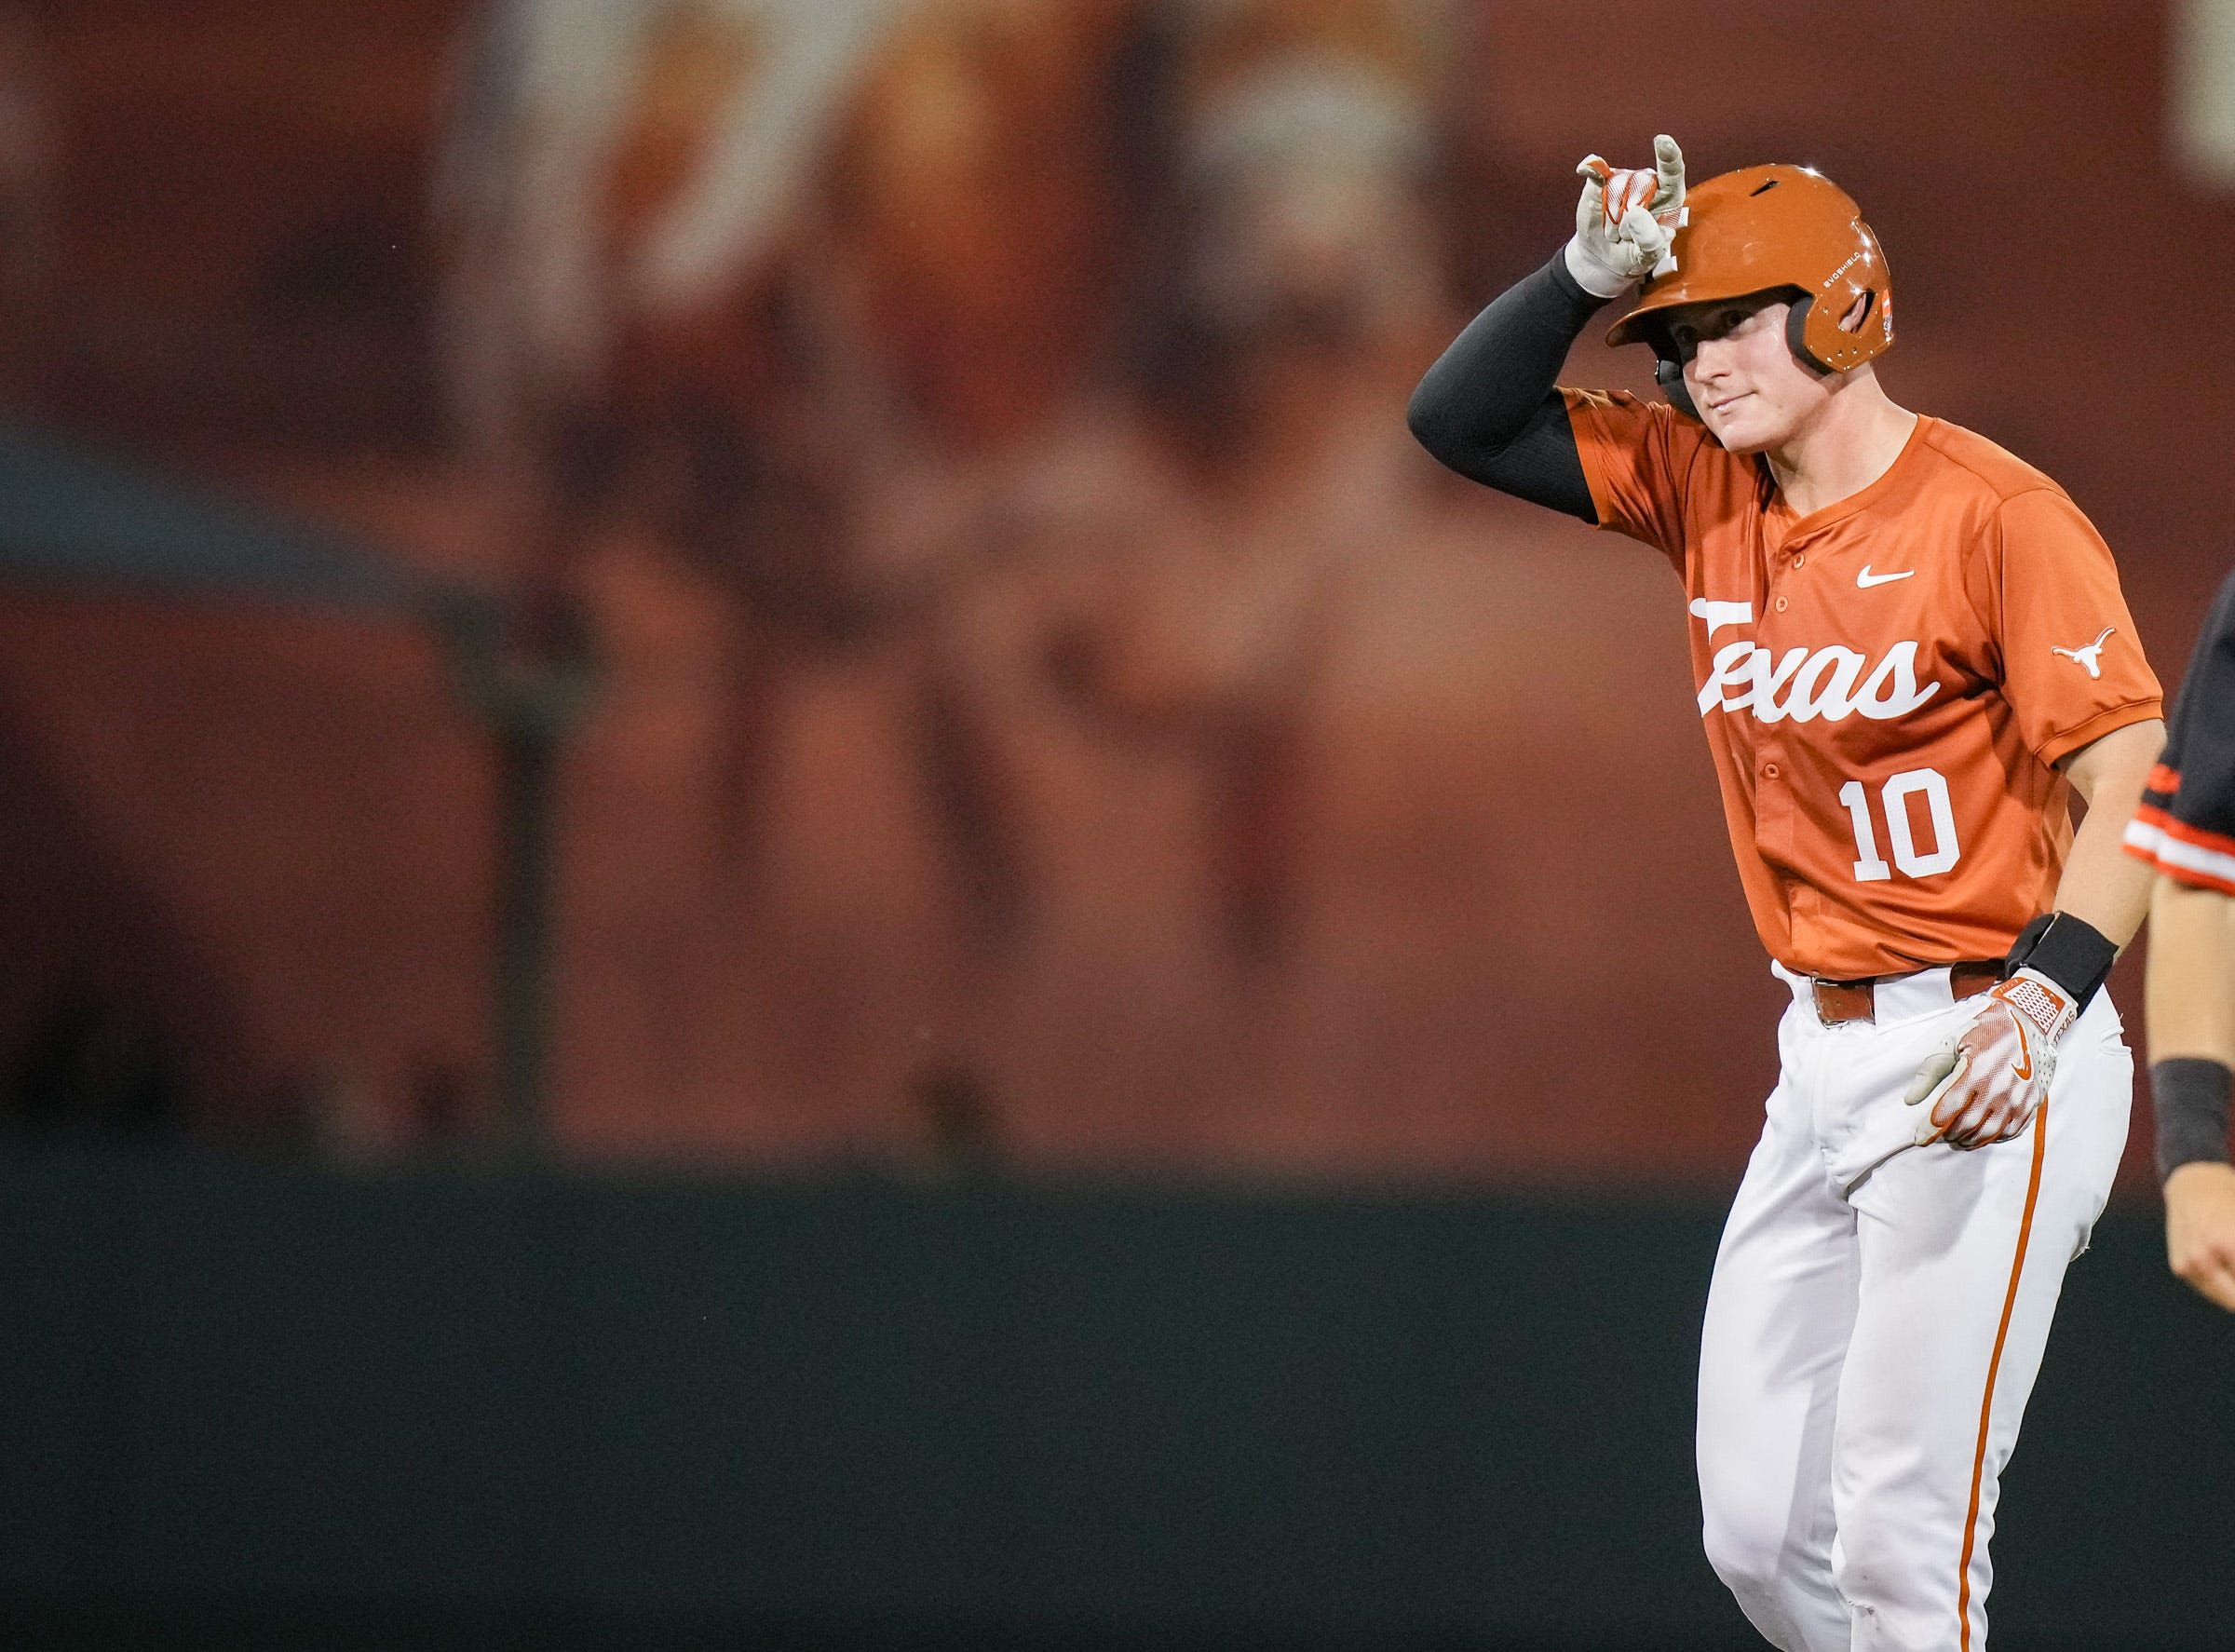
<point>1024,385</point>
<point>1047,708</point>
<point>1050,351</point>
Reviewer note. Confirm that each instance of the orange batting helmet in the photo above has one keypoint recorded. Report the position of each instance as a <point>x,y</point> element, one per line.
<point>1768,229</point>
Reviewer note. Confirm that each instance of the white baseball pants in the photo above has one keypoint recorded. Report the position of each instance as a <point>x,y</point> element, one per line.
<point>1876,1319</point>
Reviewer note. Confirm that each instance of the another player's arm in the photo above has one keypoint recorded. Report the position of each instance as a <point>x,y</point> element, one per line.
<point>2188,821</point>
<point>2191,1005</point>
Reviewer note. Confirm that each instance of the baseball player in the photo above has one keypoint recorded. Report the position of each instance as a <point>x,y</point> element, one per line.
<point>2186,829</point>
<point>1910,650</point>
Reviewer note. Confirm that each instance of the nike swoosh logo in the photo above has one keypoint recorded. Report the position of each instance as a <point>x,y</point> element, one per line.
<point>1866,578</point>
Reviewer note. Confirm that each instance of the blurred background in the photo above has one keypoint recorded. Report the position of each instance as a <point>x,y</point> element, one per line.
<point>776,876</point>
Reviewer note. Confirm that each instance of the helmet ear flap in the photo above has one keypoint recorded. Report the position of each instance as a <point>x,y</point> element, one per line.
<point>1841,339</point>
<point>1668,373</point>
<point>1796,333</point>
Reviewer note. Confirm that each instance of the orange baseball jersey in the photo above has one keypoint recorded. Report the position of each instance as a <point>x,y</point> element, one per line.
<point>1888,684</point>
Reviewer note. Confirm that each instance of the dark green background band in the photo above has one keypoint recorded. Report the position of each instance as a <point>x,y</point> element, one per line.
<point>249,1406</point>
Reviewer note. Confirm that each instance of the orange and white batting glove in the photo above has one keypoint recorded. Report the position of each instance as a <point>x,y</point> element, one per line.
<point>1983,1084</point>
<point>1624,221</point>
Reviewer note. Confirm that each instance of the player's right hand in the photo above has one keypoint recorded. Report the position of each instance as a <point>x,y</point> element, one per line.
<point>2200,1228</point>
<point>1985,1083</point>
<point>1625,220</point>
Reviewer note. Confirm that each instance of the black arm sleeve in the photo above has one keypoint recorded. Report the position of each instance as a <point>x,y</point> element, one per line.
<point>1487,408</point>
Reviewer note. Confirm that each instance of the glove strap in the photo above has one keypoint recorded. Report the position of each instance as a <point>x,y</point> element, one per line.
<point>1599,280</point>
<point>2046,1005</point>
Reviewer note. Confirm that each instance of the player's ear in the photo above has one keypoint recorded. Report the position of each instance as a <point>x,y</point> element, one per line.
<point>1857,313</point>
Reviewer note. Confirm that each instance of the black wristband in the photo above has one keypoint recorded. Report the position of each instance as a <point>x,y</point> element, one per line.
<point>2069,951</point>
<point>2189,1094</point>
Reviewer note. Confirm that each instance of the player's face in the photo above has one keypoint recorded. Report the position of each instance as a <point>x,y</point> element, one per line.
<point>1751,393</point>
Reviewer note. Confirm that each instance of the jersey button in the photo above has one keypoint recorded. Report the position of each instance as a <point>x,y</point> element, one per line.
<point>1798,559</point>
<point>1770,771</point>
<point>1781,605</point>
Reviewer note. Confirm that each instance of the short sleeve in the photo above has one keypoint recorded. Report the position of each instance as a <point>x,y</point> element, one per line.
<point>2073,669</point>
<point>1636,456</point>
<point>2186,826</point>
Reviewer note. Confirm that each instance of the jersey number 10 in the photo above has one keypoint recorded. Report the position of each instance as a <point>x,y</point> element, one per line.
<point>1895,800</point>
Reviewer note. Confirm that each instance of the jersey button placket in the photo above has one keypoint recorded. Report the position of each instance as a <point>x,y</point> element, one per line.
<point>1773,803</point>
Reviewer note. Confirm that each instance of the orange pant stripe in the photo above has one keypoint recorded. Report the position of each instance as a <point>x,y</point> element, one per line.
<point>1994,1367</point>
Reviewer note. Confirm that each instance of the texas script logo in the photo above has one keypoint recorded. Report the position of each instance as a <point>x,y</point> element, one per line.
<point>1805,684</point>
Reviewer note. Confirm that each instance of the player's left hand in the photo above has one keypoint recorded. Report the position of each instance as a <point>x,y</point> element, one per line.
<point>1983,1084</point>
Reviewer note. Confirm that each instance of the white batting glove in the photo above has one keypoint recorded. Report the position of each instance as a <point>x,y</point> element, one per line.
<point>1625,220</point>
<point>1983,1084</point>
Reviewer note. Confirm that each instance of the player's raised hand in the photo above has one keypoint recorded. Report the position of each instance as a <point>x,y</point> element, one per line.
<point>2200,1228</point>
<point>1624,220</point>
<point>1983,1084</point>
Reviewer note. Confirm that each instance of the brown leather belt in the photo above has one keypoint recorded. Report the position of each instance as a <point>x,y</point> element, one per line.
<point>1838,1002</point>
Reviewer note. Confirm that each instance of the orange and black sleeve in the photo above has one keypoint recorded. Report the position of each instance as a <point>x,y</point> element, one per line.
<point>2186,826</point>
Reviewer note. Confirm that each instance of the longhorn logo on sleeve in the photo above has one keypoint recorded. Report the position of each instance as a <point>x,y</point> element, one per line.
<point>2090,656</point>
